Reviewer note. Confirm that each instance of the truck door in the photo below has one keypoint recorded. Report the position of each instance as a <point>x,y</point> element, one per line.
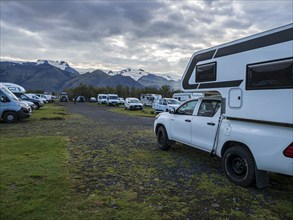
<point>204,124</point>
<point>180,123</point>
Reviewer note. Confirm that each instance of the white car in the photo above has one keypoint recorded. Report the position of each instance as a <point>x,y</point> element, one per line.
<point>121,100</point>
<point>165,105</point>
<point>133,104</point>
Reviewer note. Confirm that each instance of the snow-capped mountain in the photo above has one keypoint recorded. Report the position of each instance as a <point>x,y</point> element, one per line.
<point>59,64</point>
<point>58,75</point>
<point>136,74</point>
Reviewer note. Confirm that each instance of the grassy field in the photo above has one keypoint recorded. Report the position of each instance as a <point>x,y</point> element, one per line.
<point>56,165</point>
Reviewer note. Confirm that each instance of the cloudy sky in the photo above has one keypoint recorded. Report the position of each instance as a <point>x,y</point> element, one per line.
<point>157,35</point>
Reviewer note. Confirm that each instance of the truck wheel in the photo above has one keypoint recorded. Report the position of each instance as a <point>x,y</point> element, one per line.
<point>10,117</point>
<point>162,139</point>
<point>239,166</point>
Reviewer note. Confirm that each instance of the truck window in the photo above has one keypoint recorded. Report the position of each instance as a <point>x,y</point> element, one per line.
<point>270,75</point>
<point>187,108</point>
<point>208,108</point>
<point>206,72</point>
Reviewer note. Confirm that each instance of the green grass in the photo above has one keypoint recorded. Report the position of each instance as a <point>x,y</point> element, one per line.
<point>146,112</point>
<point>34,177</point>
<point>49,112</point>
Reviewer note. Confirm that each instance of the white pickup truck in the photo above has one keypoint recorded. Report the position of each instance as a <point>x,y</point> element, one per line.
<point>248,149</point>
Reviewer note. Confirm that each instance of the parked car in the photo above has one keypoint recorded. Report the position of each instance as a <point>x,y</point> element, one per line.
<point>93,99</point>
<point>165,105</point>
<point>133,104</point>
<point>11,109</point>
<point>34,96</point>
<point>121,100</point>
<point>80,99</point>
<point>38,103</point>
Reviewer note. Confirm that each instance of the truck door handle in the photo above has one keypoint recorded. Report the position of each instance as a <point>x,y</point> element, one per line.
<point>211,123</point>
<point>187,120</point>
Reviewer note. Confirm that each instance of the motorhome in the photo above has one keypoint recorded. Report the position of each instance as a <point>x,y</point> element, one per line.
<point>184,96</point>
<point>19,92</point>
<point>149,99</point>
<point>249,124</point>
<point>11,109</point>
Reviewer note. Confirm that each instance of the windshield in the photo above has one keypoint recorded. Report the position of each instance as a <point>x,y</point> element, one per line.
<point>173,102</point>
<point>134,101</point>
<point>9,93</point>
<point>113,97</point>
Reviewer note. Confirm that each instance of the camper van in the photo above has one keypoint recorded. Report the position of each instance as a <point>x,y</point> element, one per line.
<point>249,123</point>
<point>184,96</point>
<point>102,98</point>
<point>112,99</point>
<point>11,109</point>
<point>149,99</point>
<point>19,92</point>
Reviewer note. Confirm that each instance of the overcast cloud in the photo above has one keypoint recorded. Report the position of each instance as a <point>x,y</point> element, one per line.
<point>158,36</point>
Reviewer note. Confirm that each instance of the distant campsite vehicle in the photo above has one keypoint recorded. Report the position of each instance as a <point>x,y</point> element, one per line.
<point>102,98</point>
<point>11,109</point>
<point>133,104</point>
<point>184,96</point>
<point>63,97</point>
<point>112,99</point>
<point>165,105</point>
<point>149,99</point>
<point>19,92</point>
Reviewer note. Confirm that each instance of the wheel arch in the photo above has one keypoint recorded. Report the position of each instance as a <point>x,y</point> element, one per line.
<point>229,144</point>
<point>157,127</point>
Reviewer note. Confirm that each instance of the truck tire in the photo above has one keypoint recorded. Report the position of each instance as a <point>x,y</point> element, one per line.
<point>239,166</point>
<point>162,139</point>
<point>10,117</point>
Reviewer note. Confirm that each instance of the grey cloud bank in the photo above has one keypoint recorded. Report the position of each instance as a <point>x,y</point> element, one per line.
<point>158,36</point>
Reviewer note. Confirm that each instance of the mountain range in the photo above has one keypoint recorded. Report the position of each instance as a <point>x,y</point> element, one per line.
<point>56,76</point>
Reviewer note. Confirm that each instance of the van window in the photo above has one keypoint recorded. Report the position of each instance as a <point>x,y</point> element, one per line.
<point>206,72</point>
<point>270,75</point>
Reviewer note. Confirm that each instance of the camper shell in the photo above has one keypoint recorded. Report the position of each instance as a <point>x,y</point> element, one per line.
<point>249,123</point>
<point>254,74</point>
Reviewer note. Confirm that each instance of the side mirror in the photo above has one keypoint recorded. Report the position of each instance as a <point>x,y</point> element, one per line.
<point>172,111</point>
<point>4,99</point>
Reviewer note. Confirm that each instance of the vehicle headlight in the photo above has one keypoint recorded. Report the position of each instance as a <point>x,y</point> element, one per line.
<point>23,105</point>
<point>158,115</point>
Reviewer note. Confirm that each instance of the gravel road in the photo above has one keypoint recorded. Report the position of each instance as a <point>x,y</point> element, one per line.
<point>101,114</point>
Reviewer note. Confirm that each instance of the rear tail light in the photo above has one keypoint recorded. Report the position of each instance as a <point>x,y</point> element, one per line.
<point>288,152</point>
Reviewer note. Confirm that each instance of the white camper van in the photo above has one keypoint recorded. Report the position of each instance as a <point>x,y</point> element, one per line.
<point>149,99</point>
<point>11,109</point>
<point>184,96</point>
<point>112,99</point>
<point>102,98</point>
<point>250,124</point>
